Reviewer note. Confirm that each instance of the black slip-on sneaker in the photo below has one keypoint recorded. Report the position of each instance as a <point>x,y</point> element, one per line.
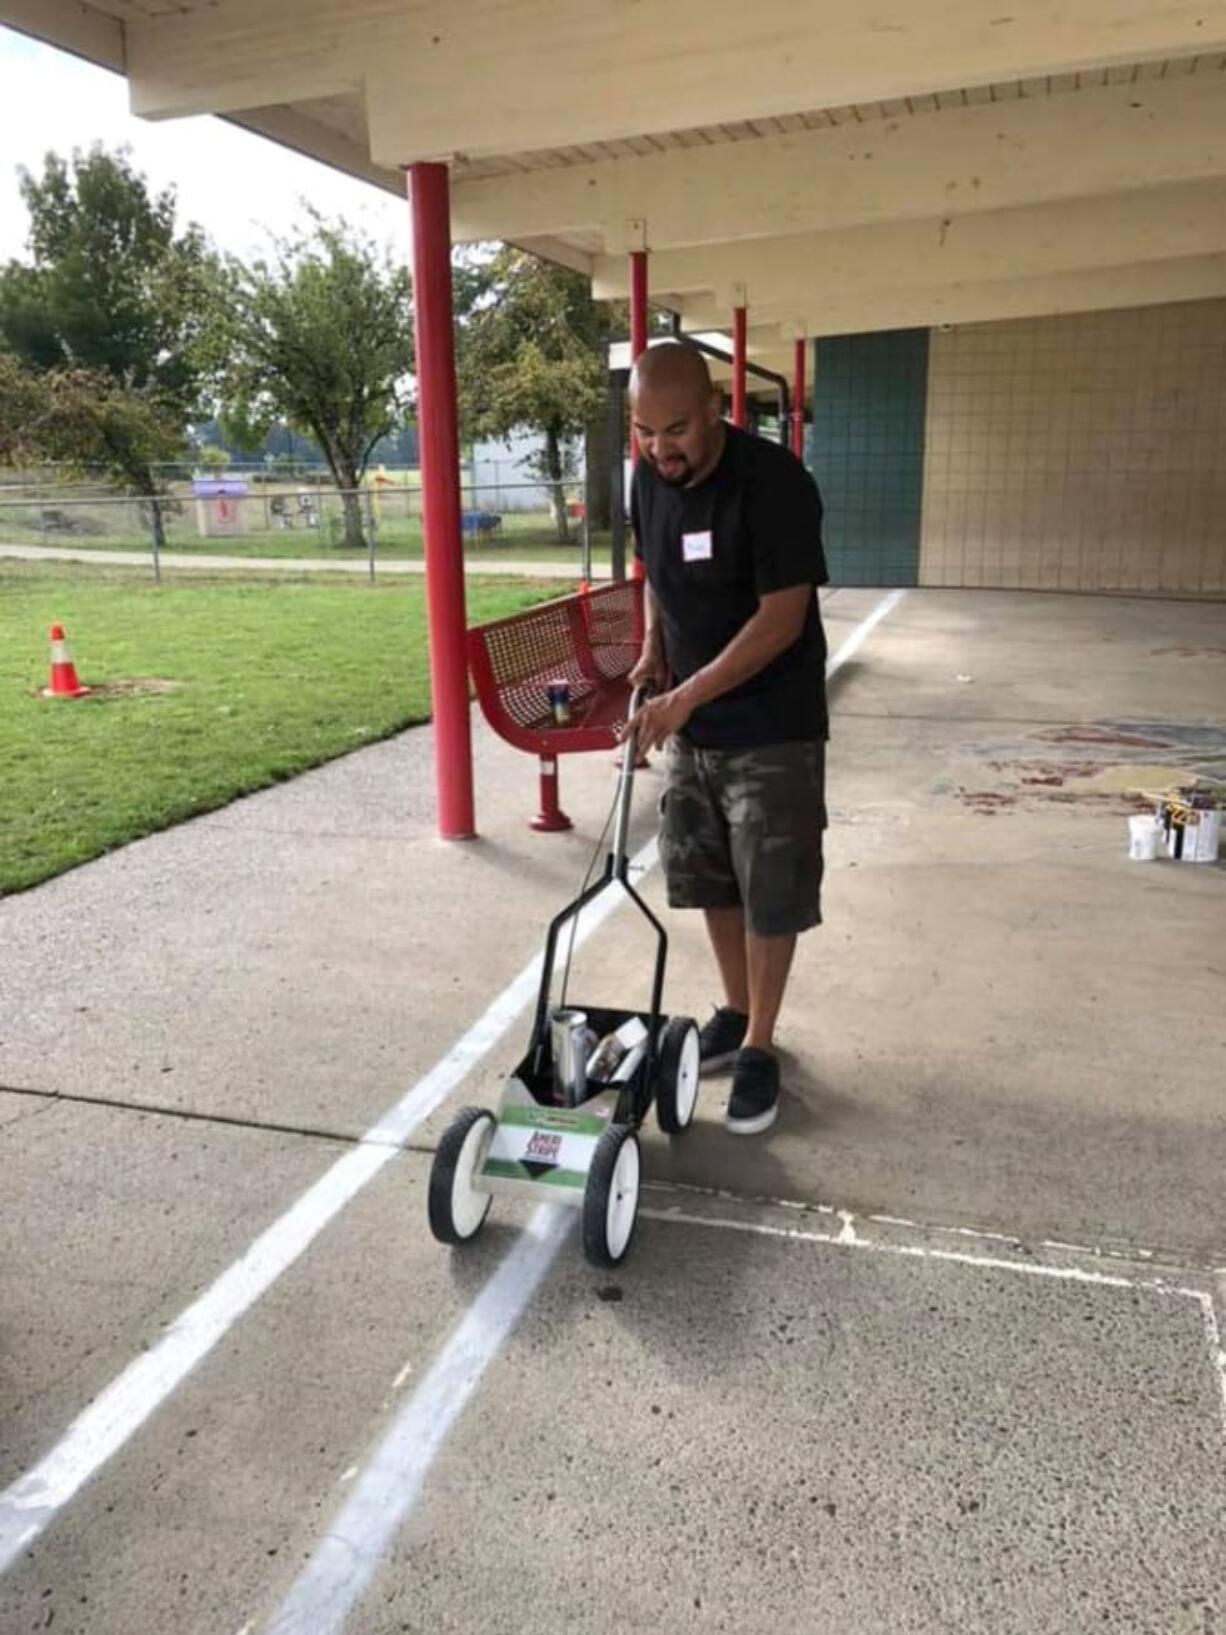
<point>721,1038</point>
<point>754,1103</point>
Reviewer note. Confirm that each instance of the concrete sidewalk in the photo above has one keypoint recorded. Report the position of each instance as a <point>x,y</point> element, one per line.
<point>938,1354</point>
<point>196,562</point>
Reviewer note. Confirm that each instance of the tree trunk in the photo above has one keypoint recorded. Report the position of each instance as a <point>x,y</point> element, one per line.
<point>347,477</point>
<point>354,533</point>
<point>598,463</point>
<point>557,494</point>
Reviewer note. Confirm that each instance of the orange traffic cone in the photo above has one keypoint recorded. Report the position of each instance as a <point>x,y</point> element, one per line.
<point>64,682</point>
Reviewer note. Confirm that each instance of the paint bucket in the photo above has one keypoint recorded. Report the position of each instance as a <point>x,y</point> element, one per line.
<point>1202,836</point>
<point>1192,826</point>
<point>1144,838</point>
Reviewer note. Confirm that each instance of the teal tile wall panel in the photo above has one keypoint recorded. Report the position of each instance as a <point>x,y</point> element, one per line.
<point>866,450</point>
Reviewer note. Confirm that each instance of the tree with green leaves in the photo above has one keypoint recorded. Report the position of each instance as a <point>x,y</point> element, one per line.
<point>532,352</point>
<point>108,302</point>
<point>81,418</point>
<point>319,335</point>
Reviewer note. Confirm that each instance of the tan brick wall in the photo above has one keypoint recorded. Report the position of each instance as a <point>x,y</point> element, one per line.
<point>1085,452</point>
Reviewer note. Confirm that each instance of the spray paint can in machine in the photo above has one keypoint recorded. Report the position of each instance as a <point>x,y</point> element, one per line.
<point>569,1037</point>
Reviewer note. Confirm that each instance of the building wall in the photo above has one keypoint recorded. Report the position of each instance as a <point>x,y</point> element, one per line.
<point>1083,452</point>
<point>866,450</point>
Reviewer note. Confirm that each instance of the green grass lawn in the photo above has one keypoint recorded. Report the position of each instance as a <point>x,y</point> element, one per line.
<point>272,678</point>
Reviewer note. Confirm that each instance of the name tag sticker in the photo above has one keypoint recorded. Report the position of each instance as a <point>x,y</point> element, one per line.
<point>697,547</point>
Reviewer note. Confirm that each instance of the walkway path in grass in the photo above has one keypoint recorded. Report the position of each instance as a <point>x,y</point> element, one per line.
<point>174,560</point>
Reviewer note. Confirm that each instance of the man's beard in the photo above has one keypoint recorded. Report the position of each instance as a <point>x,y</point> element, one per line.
<point>676,477</point>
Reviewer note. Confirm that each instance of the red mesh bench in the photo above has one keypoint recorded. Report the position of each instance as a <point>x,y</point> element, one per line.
<point>591,642</point>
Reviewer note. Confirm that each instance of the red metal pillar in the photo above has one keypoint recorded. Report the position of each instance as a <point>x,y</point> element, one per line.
<point>738,366</point>
<point>638,343</point>
<point>638,310</point>
<point>430,202</point>
<point>798,400</point>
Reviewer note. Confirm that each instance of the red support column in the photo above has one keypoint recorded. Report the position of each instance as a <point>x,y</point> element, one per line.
<point>638,343</point>
<point>430,202</point>
<point>798,400</point>
<point>738,366</point>
<point>638,303</point>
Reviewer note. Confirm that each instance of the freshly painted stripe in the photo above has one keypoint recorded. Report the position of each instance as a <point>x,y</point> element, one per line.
<point>863,630</point>
<point>338,1573</point>
<point>33,1500</point>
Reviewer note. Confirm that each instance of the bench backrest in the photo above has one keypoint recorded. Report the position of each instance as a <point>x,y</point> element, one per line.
<point>587,641</point>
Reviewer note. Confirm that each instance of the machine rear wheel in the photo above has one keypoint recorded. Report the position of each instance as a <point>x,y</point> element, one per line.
<point>677,1072</point>
<point>457,1208</point>
<point>611,1197</point>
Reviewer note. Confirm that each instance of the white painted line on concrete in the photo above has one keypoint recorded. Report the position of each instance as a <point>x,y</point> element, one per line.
<point>32,1501</point>
<point>342,1567</point>
<point>1216,1350</point>
<point>849,1238</point>
<point>863,630</point>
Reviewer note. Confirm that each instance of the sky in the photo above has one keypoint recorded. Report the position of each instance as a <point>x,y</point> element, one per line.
<point>236,185</point>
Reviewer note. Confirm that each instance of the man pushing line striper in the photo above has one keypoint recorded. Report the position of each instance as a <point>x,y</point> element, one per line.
<point>728,527</point>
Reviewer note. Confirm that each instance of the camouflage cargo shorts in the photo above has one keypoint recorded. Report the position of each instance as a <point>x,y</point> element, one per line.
<point>743,828</point>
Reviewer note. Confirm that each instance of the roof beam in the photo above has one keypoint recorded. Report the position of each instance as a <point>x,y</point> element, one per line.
<point>291,129</point>
<point>1198,278</point>
<point>446,77</point>
<point>1155,224</point>
<point>993,156</point>
<point>484,76</point>
<point>73,27</point>
<point>234,56</point>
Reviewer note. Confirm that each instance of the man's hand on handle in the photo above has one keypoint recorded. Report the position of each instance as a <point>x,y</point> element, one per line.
<point>660,718</point>
<point>667,711</point>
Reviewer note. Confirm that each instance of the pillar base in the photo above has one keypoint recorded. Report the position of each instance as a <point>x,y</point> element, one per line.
<point>551,819</point>
<point>551,823</point>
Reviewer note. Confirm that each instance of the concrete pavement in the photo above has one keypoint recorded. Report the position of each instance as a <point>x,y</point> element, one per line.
<point>773,1418</point>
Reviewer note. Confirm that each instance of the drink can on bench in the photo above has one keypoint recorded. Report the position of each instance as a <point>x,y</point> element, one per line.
<point>558,693</point>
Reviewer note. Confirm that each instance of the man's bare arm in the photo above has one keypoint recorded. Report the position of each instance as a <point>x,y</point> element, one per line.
<point>775,627</point>
<point>652,665</point>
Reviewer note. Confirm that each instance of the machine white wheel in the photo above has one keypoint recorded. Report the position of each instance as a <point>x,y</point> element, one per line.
<point>457,1206</point>
<point>677,1072</point>
<point>611,1198</point>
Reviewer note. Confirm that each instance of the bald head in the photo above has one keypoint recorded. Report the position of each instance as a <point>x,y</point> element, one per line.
<point>676,413</point>
<point>671,366</point>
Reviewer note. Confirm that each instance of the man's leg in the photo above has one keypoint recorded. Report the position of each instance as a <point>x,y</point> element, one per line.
<point>726,929</point>
<point>769,960</point>
<point>773,804</point>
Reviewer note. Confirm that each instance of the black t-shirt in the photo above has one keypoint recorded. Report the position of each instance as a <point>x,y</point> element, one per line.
<point>753,526</point>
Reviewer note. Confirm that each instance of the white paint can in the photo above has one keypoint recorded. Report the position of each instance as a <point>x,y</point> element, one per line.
<point>1202,836</point>
<point>1144,838</point>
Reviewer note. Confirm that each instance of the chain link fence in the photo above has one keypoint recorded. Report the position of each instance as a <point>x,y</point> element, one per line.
<point>231,516</point>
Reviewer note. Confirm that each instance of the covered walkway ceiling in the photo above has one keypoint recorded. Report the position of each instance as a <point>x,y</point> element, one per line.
<point>837,170</point>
